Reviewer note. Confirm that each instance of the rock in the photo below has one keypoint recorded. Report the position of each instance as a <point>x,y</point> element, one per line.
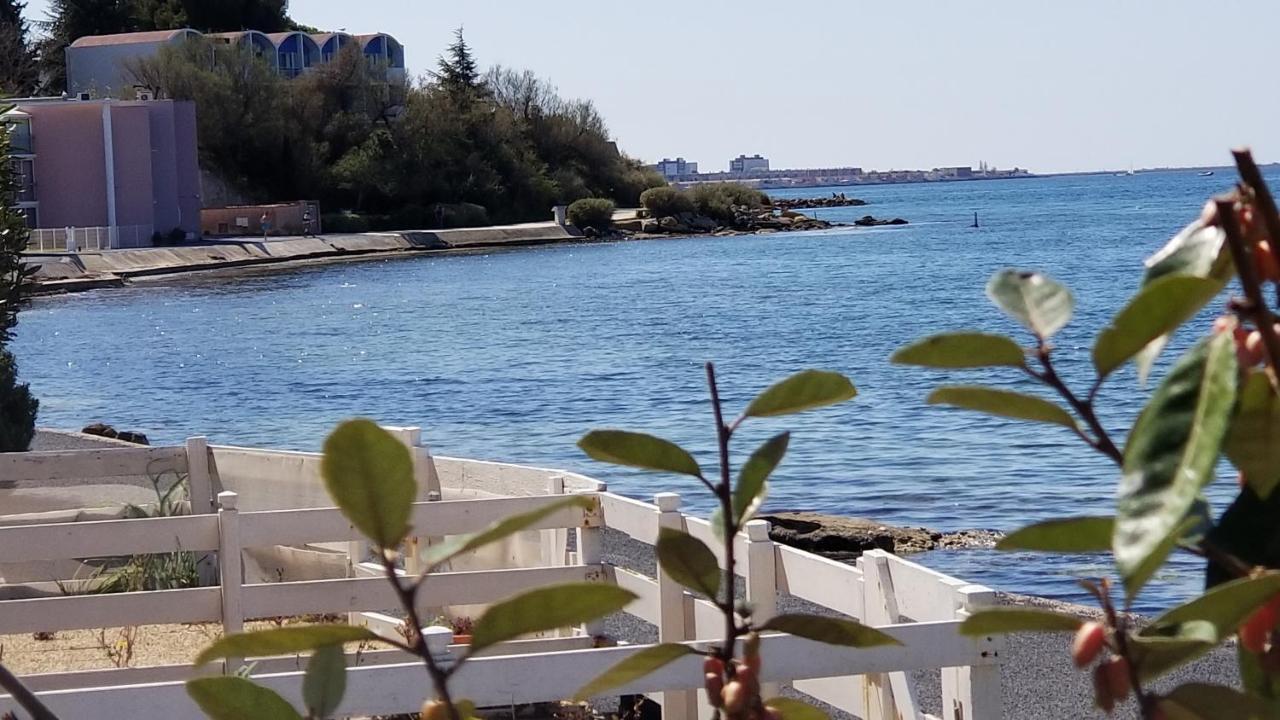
<point>650,226</point>
<point>835,201</point>
<point>106,431</point>
<point>869,221</point>
<point>633,225</point>
<point>820,533</point>
<point>666,223</point>
<point>134,437</point>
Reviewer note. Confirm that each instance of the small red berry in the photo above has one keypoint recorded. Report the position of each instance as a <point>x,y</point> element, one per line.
<point>1088,643</point>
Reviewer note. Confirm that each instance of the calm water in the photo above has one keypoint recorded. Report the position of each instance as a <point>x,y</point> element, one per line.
<point>513,355</point>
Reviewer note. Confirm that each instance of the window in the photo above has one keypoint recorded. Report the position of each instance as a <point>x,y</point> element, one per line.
<point>19,135</point>
<point>25,172</point>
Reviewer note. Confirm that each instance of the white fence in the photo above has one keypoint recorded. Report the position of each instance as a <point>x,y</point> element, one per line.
<point>919,607</point>
<point>90,238</point>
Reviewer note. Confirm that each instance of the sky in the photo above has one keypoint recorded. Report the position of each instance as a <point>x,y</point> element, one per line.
<point>891,84</point>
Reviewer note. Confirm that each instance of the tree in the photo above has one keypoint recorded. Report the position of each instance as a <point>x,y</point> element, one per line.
<point>17,406</point>
<point>458,74</point>
<point>18,72</point>
<point>68,20</point>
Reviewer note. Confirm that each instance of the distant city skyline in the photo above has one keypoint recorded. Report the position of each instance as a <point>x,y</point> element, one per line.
<point>905,85</point>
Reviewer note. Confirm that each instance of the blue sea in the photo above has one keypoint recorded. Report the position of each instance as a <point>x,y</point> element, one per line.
<point>513,355</point>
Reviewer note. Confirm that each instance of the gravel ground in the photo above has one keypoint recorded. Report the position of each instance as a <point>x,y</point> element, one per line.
<point>1038,680</point>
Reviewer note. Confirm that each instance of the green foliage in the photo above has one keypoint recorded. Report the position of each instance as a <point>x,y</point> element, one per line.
<point>369,474</point>
<point>665,201</point>
<point>633,668</point>
<point>1203,701</point>
<point>235,698</point>
<point>1253,441</point>
<point>718,200</point>
<point>961,350</point>
<point>1004,403</point>
<point>1009,619</point>
<point>1077,534</point>
<point>19,73</point>
<point>344,223</point>
<point>458,73</point>
<point>1038,302</point>
<point>325,681</point>
<point>829,630</point>
<point>791,709</point>
<point>1155,312</point>
<point>752,488</point>
<point>17,406</point>
<point>594,213</point>
<point>688,561</point>
<point>546,609</point>
<point>282,641</point>
<point>1170,456</point>
<point>806,390</point>
<point>638,450</point>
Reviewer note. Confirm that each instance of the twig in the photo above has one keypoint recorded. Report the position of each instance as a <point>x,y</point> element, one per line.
<point>1256,306</point>
<point>1252,176</point>
<point>1101,440</point>
<point>408,600</point>
<point>724,494</point>
<point>23,696</point>
<point>1145,702</point>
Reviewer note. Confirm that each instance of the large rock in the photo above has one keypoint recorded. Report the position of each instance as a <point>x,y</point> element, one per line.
<point>631,225</point>
<point>106,431</point>
<point>835,535</point>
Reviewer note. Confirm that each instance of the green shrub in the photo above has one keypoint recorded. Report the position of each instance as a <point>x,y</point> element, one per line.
<point>595,213</point>
<point>716,200</point>
<point>460,215</point>
<point>344,223</point>
<point>665,201</point>
<point>411,217</point>
<point>17,408</point>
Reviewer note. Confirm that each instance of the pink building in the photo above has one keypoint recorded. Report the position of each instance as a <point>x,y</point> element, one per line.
<point>129,167</point>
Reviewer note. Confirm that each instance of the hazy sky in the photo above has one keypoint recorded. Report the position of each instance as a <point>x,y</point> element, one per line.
<point>888,84</point>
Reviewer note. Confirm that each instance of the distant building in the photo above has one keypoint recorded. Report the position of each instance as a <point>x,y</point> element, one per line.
<point>676,168</point>
<point>743,164</point>
<point>953,173</point>
<point>127,169</point>
<point>98,65</point>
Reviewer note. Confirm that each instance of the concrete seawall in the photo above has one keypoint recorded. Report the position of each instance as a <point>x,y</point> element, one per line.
<point>73,272</point>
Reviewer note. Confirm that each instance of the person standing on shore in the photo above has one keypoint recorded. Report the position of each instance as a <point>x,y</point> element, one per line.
<point>266,224</point>
<point>306,222</point>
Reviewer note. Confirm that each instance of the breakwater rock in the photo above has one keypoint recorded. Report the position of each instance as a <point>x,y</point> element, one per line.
<point>821,202</point>
<point>868,221</point>
<point>844,538</point>
<point>745,219</point>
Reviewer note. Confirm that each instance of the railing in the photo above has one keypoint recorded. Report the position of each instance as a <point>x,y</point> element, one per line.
<point>90,238</point>
<point>919,607</point>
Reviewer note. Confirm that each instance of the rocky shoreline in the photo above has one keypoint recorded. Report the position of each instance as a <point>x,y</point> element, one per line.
<point>845,538</point>
<point>836,200</point>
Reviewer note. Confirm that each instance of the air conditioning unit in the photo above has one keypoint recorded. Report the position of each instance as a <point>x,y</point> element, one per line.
<point>85,96</point>
<point>146,95</point>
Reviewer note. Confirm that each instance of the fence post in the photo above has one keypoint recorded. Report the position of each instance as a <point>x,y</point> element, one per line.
<point>591,552</point>
<point>556,541</point>
<point>973,692</point>
<point>231,579</point>
<point>761,570</point>
<point>200,495</point>
<point>673,626</point>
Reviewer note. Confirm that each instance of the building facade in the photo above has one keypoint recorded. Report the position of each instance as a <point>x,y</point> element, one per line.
<point>129,167</point>
<point>744,164</point>
<point>676,168</point>
<point>99,66</point>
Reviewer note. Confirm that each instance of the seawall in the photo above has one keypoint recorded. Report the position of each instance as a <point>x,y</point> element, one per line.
<point>73,272</point>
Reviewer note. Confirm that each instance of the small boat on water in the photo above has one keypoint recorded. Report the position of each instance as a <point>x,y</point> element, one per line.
<point>1205,173</point>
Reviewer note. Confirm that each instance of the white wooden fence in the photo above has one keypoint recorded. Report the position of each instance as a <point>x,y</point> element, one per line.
<point>919,607</point>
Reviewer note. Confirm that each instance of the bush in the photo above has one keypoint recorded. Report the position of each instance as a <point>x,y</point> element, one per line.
<point>665,201</point>
<point>411,217</point>
<point>716,200</point>
<point>594,213</point>
<point>344,223</point>
<point>17,408</point>
<point>459,215</point>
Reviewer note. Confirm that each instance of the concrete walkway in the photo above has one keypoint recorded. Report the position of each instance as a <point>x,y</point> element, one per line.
<point>71,272</point>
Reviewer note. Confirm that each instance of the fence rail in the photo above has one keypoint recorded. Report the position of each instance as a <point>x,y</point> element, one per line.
<point>90,238</point>
<point>921,608</point>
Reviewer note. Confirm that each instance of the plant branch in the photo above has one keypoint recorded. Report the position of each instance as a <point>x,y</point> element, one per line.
<point>1252,176</point>
<point>1146,704</point>
<point>23,696</point>
<point>407,596</point>
<point>724,493</point>
<point>1084,408</point>
<point>1255,305</point>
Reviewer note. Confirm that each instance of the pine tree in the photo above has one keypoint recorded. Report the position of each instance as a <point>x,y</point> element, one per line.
<point>17,406</point>
<point>18,73</point>
<point>458,72</point>
<point>68,20</point>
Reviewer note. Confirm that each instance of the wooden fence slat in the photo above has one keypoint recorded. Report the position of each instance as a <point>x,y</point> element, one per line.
<point>78,612</point>
<point>646,606</point>
<point>630,517</point>
<point>445,517</point>
<point>107,538</point>
<point>42,466</point>
<point>373,593</point>
<point>895,691</point>
<point>819,580</point>
<point>676,704</point>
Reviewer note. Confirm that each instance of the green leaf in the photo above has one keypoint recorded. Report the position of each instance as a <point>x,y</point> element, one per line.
<point>325,681</point>
<point>1202,701</point>
<point>638,450</point>
<point>633,668</point>
<point>1258,681</point>
<point>805,390</point>
<point>1004,403</point>
<point>791,709</point>
<point>545,609</point>
<point>369,474</point>
<point>234,698</point>
<point>1156,311</point>
<point>1225,606</point>
<point>688,561</point>
<point>961,350</point>
<point>829,630</point>
<point>1160,651</point>
<point>752,489</point>
<point>455,546</point>
<point>1253,442</point>
<point>283,641</point>
<point>1040,303</point>
<point>1065,535</point>
<point>1170,455</point>
<point>1197,250</point>
<point>1010,619</point>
